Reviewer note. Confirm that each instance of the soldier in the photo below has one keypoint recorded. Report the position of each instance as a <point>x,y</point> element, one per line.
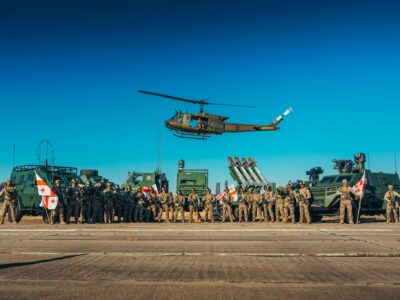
<point>109,204</point>
<point>61,206</point>
<point>140,205</point>
<point>171,205</point>
<point>194,206</point>
<point>131,204</point>
<point>153,205</point>
<point>346,199</point>
<point>117,203</point>
<point>279,198</point>
<point>257,205</point>
<point>243,209</point>
<point>268,202</point>
<point>125,205</point>
<point>288,204</point>
<point>304,203</point>
<point>73,195</point>
<point>98,204</point>
<point>86,202</point>
<point>392,205</point>
<point>208,200</point>
<point>165,202</point>
<point>249,197</point>
<point>227,200</point>
<point>179,206</point>
<point>9,201</point>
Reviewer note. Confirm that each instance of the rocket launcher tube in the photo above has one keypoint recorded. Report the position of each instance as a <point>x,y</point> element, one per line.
<point>257,171</point>
<point>236,171</point>
<point>241,169</point>
<point>250,171</point>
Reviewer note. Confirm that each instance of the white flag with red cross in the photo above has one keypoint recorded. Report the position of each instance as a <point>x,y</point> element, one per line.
<point>359,188</point>
<point>220,196</point>
<point>232,191</point>
<point>155,189</point>
<point>49,197</point>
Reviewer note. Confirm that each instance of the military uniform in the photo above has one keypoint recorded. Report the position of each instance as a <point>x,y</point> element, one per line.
<point>194,207</point>
<point>165,202</point>
<point>227,200</point>
<point>279,206</point>
<point>345,203</point>
<point>304,198</point>
<point>61,206</point>
<point>392,205</point>
<point>257,205</point>
<point>268,202</point>
<point>152,207</point>
<point>125,206</point>
<point>109,205</point>
<point>140,206</point>
<point>243,209</point>
<point>131,205</point>
<point>73,195</point>
<point>249,197</point>
<point>179,202</point>
<point>98,205</point>
<point>208,201</point>
<point>86,203</point>
<point>288,205</point>
<point>9,203</point>
<point>118,204</point>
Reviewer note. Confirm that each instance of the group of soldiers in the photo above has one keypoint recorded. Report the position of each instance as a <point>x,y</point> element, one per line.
<point>96,204</point>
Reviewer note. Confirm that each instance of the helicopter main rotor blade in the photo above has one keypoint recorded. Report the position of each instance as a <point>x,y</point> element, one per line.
<point>171,97</point>
<point>201,102</point>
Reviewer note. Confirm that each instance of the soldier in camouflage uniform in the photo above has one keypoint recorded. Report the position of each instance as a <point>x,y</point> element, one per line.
<point>227,200</point>
<point>118,198</point>
<point>279,198</point>
<point>61,205</point>
<point>165,202</point>
<point>98,204</point>
<point>257,205</point>
<point>288,204</point>
<point>9,201</point>
<point>243,209</point>
<point>208,201</point>
<point>392,204</point>
<point>86,202</point>
<point>109,204</point>
<point>140,204</point>
<point>125,205</point>
<point>73,195</point>
<point>179,201</point>
<point>171,206</point>
<point>304,203</point>
<point>268,203</point>
<point>152,205</point>
<point>345,192</point>
<point>194,206</point>
<point>131,204</point>
<point>249,197</point>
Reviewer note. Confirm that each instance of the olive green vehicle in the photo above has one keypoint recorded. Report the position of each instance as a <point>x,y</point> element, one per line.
<point>326,203</point>
<point>134,179</point>
<point>188,179</point>
<point>23,178</point>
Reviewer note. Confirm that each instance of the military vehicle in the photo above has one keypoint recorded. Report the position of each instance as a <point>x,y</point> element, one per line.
<point>326,203</point>
<point>202,125</point>
<point>187,179</point>
<point>146,179</point>
<point>92,176</point>
<point>23,177</point>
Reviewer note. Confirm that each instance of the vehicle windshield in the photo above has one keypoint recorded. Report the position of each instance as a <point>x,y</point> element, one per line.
<point>327,180</point>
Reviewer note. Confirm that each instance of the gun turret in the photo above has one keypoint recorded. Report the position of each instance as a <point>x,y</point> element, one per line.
<point>313,174</point>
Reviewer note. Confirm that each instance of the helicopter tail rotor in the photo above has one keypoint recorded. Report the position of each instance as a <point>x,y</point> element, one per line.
<point>282,116</point>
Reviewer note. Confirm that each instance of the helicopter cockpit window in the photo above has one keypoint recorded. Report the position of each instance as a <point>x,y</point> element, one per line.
<point>178,118</point>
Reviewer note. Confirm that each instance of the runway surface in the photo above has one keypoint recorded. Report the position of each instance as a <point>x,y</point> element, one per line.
<point>198,261</point>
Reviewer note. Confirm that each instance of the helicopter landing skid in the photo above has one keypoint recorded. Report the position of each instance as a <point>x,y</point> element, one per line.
<point>184,135</point>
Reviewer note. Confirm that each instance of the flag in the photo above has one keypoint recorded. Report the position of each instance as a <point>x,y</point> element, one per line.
<point>43,188</point>
<point>155,189</point>
<point>220,196</point>
<point>359,188</point>
<point>49,197</point>
<point>147,189</point>
<point>232,191</point>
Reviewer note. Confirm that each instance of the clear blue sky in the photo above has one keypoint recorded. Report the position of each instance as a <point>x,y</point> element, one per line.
<point>69,72</point>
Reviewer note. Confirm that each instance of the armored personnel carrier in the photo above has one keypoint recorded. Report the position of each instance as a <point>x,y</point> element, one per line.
<point>326,203</point>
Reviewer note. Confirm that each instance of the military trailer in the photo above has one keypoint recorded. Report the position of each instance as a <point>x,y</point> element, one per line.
<point>23,177</point>
<point>326,203</point>
<point>187,179</point>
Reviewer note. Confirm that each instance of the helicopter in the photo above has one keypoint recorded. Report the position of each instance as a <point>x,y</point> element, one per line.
<point>202,125</point>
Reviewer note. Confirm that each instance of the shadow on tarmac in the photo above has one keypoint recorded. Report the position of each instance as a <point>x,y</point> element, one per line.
<point>23,264</point>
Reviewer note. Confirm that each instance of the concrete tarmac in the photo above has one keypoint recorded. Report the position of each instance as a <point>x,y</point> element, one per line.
<point>200,261</point>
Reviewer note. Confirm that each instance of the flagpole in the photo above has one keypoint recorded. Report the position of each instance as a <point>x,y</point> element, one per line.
<point>359,210</point>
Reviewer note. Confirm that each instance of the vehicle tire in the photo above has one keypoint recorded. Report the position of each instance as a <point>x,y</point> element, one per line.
<point>17,213</point>
<point>236,213</point>
<point>93,173</point>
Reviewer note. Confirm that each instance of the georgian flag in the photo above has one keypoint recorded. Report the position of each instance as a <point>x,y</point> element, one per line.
<point>220,196</point>
<point>233,192</point>
<point>155,189</point>
<point>49,197</point>
<point>359,188</point>
<point>147,189</point>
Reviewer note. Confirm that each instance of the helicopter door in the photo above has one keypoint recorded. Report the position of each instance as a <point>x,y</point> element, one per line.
<point>186,120</point>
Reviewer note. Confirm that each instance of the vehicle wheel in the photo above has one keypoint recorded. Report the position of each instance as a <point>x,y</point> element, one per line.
<point>236,213</point>
<point>17,213</point>
<point>94,173</point>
